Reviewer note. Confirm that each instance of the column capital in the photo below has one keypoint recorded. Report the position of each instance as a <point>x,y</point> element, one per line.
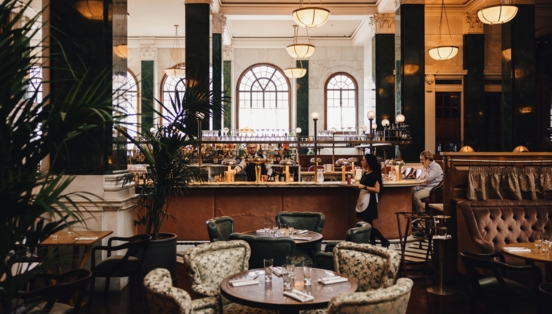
<point>227,52</point>
<point>209,2</point>
<point>218,23</point>
<point>382,23</point>
<point>147,52</point>
<point>472,25</point>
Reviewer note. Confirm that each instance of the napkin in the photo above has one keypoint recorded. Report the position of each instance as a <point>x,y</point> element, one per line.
<point>300,231</point>
<point>86,238</point>
<point>243,282</point>
<point>261,231</point>
<point>437,237</point>
<point>517,249</point>
<point>277,271</point>
<point>298,295</point>
<point>331,280</point>
<point>301,238</point>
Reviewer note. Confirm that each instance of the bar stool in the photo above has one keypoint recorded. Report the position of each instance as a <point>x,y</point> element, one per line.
<point>403,238</point>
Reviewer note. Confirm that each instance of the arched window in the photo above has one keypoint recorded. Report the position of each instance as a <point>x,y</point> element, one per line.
<point>171,86</point>
<point>125,100</point>
<point>341,102</point>
<point>35,84</point>
<point>263,98</point>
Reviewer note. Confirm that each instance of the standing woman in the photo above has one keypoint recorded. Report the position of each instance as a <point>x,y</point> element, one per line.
<point>371,182</point>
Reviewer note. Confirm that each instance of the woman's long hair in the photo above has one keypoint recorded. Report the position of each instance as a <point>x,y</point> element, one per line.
<point>376,168</point>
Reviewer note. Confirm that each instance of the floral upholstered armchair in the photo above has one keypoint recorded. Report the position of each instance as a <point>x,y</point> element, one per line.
<point>390,300</point>
<point>164,298</point>
<point>373,267</point>
<point>208,264</point>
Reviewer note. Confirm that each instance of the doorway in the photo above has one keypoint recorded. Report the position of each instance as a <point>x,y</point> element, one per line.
<point>447,121</point>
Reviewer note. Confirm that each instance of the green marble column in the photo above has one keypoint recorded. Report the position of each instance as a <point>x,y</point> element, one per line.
<point>519,118</point>
<point>410,74</point>
<point>146,95</point>
<point>474,87</point>
<point>228,93</point>
<point>302,100</point>
<point>384,64</point>
<point>82,51</point>
<point>197,45</point>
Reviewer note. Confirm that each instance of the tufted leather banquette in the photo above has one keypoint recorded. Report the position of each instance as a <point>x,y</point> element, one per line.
<point>486,226</point>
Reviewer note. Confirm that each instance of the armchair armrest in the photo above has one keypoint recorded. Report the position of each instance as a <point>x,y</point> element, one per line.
<point>324,260</point>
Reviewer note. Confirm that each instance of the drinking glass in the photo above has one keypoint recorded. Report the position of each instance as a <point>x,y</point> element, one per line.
<point>283,230</point>
<point>275,229</point>
<point>70,230</point>
<point>538,242</point>
<point>268,262</point>
<point>545,245</point>
<point>267,226</point>
<point>291,228</point>
<point>307,272</point>
<point>290,262</point>
<point>286,275</point>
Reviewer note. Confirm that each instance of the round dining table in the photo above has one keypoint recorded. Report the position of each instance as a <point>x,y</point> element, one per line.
<point>531,256</point>
<point>300,239</point>
<point>270,295</point>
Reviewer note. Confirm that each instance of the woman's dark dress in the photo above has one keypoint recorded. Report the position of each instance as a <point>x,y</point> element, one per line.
<point>371,211</point>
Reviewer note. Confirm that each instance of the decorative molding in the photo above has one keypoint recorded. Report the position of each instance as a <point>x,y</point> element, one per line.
<point>227,53</point>
<point>429,79</point>
<point>218,23</point>
<point>398,3</point>
<point>383,23</point>
<point>209,2</point>
<point>147,52</point>
<point>473,25</point>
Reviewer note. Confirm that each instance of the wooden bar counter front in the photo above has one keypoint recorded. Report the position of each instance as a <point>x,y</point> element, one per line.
<point>252,204</point>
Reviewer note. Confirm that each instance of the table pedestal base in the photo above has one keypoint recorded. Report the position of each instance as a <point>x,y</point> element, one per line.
<point>440,290</point>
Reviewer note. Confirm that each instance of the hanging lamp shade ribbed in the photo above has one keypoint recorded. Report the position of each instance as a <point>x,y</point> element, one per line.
<point>443,52</point>
<point>497,14</point>
<point>300,51</point>
<point>295,72</point>
<point>311,16</point>
<point>176,72</point>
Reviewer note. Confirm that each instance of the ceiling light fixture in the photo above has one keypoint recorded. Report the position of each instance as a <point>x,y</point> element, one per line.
<point>295,72</point>
<point>443,52</point>
<point>311,16</point>
<point>297,50</point>
<point>498,14</point>
<point>178,70</point>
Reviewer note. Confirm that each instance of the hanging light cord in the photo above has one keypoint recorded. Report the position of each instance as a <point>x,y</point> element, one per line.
<point>441,23</point>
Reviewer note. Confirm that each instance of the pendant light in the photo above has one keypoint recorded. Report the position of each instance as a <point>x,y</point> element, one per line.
<point>295,72</point>
<point>311,16</point>
<point>297,50</point>
<point>443,52</point>
<point>177,71</point>
<point>498,14</point>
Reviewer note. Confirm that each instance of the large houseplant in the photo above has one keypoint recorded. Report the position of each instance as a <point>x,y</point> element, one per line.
<point>33,202</point>
<point>168,169</point>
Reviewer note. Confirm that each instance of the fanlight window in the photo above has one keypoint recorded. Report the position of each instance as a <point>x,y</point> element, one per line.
<point>341,103</point>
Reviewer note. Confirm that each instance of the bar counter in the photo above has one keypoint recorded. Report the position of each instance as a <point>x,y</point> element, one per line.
<point>252,204</point>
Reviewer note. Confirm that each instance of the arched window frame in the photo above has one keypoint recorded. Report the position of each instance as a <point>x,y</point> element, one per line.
<point>238,91</point>
<point>355,93</point>
<point>177,85</point>
<point>130,96</point>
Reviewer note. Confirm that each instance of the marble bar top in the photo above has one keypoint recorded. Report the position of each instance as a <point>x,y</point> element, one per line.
<point>328,184</point>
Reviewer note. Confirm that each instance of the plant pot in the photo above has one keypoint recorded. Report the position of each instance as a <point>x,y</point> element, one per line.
<point>161,254</point>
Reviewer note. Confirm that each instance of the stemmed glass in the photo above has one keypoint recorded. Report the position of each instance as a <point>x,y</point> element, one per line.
<point>266,227</point>
<point>291,228</point>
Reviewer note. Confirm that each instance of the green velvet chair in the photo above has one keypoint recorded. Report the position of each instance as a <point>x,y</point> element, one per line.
<point>220,228</point>
<point>498,291</point>
<point>325,259</point>
<point>266,247</point>
<point>311,221</point>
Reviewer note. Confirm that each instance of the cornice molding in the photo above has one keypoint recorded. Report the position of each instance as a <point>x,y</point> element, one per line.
<point>472,25</point>
<point>218,23</point>
<point>398,3</point>
<point>383,23</point>
<point>209,2</point>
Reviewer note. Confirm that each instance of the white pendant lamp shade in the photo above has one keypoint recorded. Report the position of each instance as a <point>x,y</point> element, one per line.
<point>176,72</point>
<point>295,72</point>
<point>300,51</point>
<point>497,14</point>
<point>443,52</point>
<point>311,16</point>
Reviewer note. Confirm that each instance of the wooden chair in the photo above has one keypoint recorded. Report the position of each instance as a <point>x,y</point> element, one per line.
<point>220,228</point>
<point>435,196</point>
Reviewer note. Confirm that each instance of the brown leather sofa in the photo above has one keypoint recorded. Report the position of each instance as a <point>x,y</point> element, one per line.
<point>486,226</point>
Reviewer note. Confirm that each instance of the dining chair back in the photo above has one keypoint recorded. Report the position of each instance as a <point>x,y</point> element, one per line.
<point>498,291</point>
<point>372,266</point>
<point>359,234</point>
<point>393,299</point>
<point>266,247</point>
<point>55,298</point>
<point>129,264</point>
<point>164,298</point>
<point>220,228</point>
<point>311,221</point>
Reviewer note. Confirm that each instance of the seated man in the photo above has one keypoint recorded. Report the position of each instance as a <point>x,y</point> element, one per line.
<point>432,175</point>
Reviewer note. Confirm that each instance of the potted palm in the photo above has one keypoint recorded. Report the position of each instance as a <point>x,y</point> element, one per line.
<point>34,204</point>
<point>168,170</point>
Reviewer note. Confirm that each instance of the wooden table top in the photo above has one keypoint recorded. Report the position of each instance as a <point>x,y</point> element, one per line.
<point>315,236</point>
<point>78,237</point>
<point>534,255</point>
<point>271,295</point>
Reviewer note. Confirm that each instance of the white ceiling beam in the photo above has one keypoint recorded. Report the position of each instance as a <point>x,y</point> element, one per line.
<point>286,9</point>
